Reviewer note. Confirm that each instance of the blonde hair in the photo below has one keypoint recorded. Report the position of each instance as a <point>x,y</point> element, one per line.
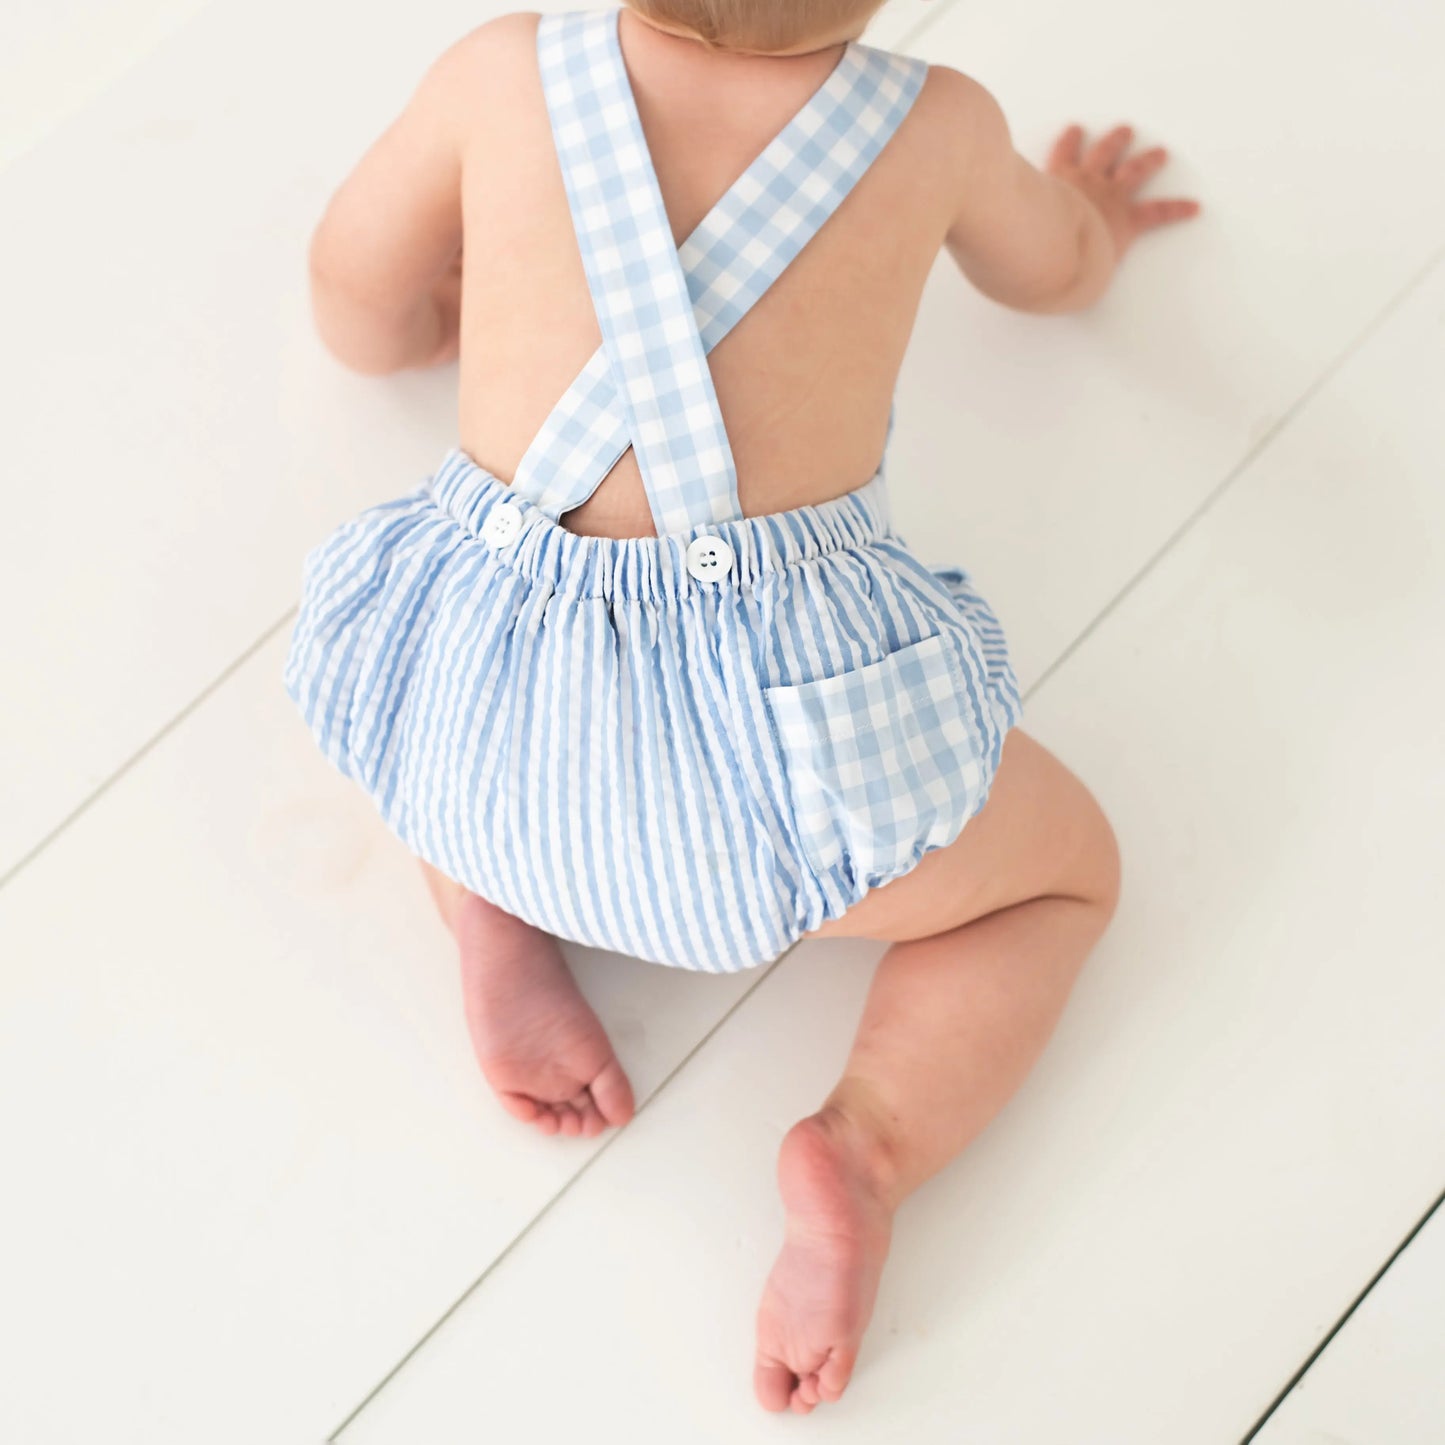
<point>759,25</point>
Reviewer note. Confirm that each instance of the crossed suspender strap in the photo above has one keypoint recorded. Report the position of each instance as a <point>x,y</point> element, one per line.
<point>662,308</point>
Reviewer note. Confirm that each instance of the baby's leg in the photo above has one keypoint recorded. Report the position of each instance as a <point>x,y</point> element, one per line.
<point>993,931</point>
<point>540,1045</point>
<point>446,893</point>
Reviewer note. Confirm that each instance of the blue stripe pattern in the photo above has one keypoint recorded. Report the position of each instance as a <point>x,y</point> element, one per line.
<point>577,729</point>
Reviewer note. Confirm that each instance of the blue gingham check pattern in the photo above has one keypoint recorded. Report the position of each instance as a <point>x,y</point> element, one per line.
<point>643,307</point>
<point>882,761</point>
<point>666,407</point>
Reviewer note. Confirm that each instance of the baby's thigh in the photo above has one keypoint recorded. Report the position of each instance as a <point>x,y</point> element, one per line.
<point>1041,832</point>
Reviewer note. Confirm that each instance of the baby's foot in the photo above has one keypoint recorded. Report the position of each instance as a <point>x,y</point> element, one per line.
<point>820,1295</point>
<point>539,1044</point>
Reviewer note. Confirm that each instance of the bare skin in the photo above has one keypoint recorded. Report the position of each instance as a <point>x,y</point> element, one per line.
<point>539,1044</point>
<point>987,935</point>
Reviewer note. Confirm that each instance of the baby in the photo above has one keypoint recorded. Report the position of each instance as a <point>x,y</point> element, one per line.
<point>643,664</point>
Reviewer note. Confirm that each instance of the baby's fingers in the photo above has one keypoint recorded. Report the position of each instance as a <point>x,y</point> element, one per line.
<point>1104,154</point>
<point>1149,214</point>
<point>1133,172</point>
<point>1067,148</point>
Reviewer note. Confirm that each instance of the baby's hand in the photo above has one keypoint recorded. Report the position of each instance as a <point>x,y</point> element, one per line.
<point>1108,181</point>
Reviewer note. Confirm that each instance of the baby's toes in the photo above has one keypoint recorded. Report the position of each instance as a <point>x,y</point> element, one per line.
<point>521,1106</point>
<point>612,1093</point>
<point>772,1383</point>
<point>835,1373</point>
<point>592,1122</point>
<point>569,1121</point>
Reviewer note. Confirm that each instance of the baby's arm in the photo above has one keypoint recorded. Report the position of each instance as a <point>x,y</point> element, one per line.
<point>385,259</point>
<point>1044,241</point>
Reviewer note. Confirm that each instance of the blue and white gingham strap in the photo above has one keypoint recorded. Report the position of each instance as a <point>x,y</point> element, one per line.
<point>782,200</point>
<point>737,251</point>
<point>654,352</point>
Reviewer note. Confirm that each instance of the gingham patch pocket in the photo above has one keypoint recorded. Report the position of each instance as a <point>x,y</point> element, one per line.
<point>882,762</point>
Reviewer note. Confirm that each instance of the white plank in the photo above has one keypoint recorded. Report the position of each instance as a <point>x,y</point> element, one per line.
<point>248,1156</point>
<point>1080,443</point>
<point>181,438</point>
<point>1238,1118</point>
<point>899,21</point>
<point>1382,1378</point>
<point>57,56</point>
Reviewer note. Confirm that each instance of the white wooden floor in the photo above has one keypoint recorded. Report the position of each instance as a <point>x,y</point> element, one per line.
<point>254,1187</point>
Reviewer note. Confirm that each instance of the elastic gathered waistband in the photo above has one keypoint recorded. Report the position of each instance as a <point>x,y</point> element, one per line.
<point>655,568</point>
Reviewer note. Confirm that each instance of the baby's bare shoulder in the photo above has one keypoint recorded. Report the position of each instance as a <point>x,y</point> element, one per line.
<point>955,110</point>
<point>958,140</point>
<point>507,37</point>
<point>493,64</point>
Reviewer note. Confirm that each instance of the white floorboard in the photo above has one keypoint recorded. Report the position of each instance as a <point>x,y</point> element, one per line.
<point>1381,1380</point>
<point>59,55</point>
<point>898,20</point>
<point>1238,1118</point>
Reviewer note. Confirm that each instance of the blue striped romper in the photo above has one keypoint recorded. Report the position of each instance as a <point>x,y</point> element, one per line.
<point>695,747</point>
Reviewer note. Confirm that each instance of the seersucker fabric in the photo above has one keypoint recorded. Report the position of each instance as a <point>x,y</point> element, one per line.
<point>694,747</point>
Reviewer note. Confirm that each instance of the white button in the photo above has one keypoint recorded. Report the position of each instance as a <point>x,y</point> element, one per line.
<point>502,525</point>
<point>709,558</point>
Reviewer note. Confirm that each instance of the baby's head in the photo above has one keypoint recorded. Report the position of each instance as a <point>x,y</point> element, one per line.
<point>764,27</point>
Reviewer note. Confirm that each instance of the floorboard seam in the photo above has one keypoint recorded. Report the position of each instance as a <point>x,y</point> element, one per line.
<point>149,746</point>
<point>926,22</point>
<point>1252,455</point>
<point>1339,1324</point>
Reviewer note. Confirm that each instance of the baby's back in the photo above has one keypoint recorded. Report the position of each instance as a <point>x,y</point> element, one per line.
<point>805,380</point>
